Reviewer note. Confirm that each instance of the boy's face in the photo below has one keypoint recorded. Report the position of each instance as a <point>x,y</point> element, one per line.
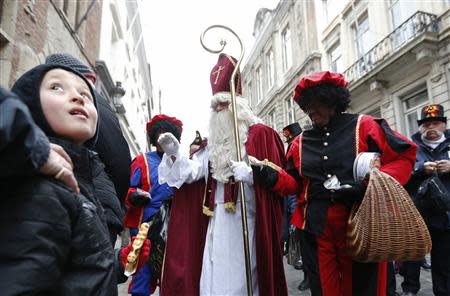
<point>68,105</point>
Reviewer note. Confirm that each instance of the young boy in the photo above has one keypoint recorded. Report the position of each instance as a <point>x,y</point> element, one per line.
<point>54,241</point>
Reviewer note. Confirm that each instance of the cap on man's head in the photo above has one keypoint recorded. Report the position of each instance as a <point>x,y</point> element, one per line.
<point>163,117</point>
<point>432,112</point>
<point>325,77</point>
<point>162,123</point>
<point>198,139</point>
<point>221,74</point>
<point>293,129</point>
<point>67,60</point>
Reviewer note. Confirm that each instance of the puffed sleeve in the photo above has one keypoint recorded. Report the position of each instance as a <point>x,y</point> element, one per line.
<point>183,170</point>
<point>398,154</point>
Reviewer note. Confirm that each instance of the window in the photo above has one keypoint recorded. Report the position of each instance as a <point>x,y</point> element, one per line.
<point>363,42</point>
<point>259,89</point>
<point>401,10</point>
<point>412,105</point>
<point>272,120</point>
<point>334,55</point>
<point>290,112</point>
<point>331,8</point>
<point>249,93</point>
<point>363,38</point>
<point>270,68</point>
<point>287,49</point>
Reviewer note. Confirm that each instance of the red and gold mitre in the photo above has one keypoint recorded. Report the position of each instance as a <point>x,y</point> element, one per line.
<point>221,75</point>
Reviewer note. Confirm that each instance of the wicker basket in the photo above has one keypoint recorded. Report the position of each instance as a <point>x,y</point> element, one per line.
<point>386,226</point>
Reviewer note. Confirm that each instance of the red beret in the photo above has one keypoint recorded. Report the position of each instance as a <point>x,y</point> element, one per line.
<point>318,78</point>
<point>160,117</point>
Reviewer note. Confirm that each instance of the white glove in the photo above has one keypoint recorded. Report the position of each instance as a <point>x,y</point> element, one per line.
<point>169,144</point>
<point>242,172</point>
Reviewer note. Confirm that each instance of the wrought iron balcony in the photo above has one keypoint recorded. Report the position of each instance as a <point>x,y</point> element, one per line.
<point>417,24</point>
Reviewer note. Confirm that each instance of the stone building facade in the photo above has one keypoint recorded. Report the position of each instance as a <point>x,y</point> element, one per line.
<point>31,29</point>
<point>286,48</point>
<point>395,54</point>
<point>123,52</point>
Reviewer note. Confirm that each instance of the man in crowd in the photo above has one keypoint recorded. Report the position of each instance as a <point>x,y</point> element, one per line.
<point>290,132</point>
<point>111,147</point>
<point>433,155</point>
<point>146,197</point>
<point>209,183</point>
<point>324,155</point>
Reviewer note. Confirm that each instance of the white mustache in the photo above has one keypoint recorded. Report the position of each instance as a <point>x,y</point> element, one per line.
<point>439,133</point>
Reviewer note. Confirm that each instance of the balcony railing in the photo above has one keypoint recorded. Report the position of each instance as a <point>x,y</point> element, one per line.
<point>418,23</point>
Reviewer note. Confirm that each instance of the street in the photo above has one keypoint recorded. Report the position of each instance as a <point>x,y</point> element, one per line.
<point>294,277</point>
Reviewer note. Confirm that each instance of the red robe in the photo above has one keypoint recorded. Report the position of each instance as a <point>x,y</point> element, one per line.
<point>188,226</point>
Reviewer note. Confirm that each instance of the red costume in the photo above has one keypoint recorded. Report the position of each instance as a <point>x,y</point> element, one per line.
<point>315,156</point>
<point>189,217</point>
<point>188,224</point>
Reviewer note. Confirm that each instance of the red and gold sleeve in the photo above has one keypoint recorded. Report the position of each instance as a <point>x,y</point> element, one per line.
<point>398,154</point>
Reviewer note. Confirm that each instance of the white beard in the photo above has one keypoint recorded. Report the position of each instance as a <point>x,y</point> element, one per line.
<point>221,142</point>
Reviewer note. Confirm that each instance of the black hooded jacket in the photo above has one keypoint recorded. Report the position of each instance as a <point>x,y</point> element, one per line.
<point>27,88</point>
<point>54,241</point>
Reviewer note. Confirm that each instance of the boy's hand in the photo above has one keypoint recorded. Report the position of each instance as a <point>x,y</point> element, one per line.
<point>59,165</point>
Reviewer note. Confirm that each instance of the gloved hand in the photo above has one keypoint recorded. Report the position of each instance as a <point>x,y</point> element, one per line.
<point>169,144</point>
<point>242,172</point>
<point>266,176</point>
<point>143,257</point>
<point>139,198</point>
<point>350,194</point>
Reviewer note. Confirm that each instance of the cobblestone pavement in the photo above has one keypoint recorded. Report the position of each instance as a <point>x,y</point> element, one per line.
<point>294,277</point>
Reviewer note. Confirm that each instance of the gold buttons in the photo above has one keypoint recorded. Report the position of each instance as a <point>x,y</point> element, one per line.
<point>325,157</point>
